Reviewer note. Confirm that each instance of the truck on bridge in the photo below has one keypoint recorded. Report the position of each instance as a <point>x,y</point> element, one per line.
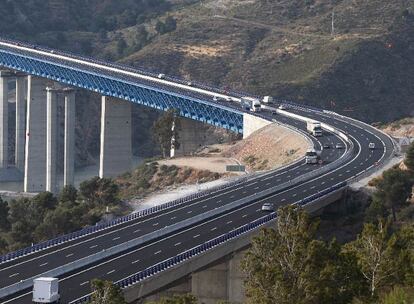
<point>250,103</point>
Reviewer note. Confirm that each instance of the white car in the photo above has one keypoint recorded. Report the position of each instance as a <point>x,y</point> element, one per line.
<point>371,146</point>
<point>268,207</point>
<point>161,76</point>
<point>283,107</point>
<point>339,146</point>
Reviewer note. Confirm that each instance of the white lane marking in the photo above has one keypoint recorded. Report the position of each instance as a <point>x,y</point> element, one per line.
<point>232,196</point>
<point>196,236</point>
<point>177,244</point>
<point>244,215</point>
<point>116,238</point>
<point>158,252</point>
<point>229,222</point>
<point>44,264</point>
<point>173,217</point>
<point>84,283</point>
<point>283,199</point>
<point>219,201</point>
<point>69,255</point>
<point>257,188</point>
<point>156,224</point>
<point>212,229</point>
<point>294,194</point>
<point>13,275</point>
<point>205,206</point>
<point>112,271</point>
<point>136,261</point>
<point>93,246</point>
<point>138,230</point>
<point>190,211</point>
<point>268,184</point>
<point>313,187</point>
<point>257,210</point>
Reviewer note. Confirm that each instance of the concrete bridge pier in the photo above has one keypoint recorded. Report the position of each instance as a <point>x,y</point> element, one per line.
<point>116,146</point>
<point>21,90</point>
<point>4,118</point>
<point>51,139</point>
<point>35,152</point>
<point>69,145</point>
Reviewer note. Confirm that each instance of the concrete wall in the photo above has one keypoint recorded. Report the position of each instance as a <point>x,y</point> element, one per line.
<point>252,123</point>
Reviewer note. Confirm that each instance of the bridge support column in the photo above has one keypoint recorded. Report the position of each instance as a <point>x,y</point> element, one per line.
<point>51,140</point>
<point>210,285</point>
<point>20,121</point>
<point>35,154</point>
<point>192,135</point>
<point>116,147</point>
<point>69,146</point>
<point>4,119</point>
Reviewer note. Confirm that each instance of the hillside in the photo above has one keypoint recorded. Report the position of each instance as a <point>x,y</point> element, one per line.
<point>282,48</point>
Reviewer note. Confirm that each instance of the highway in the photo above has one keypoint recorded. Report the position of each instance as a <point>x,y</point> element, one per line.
<point>39,262</point>
<point>76,284</point>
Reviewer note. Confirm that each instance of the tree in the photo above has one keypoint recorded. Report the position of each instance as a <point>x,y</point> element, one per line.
<point>68,195</point>
<point>121,45</point>
<point>409,158</point>
<point>399,295</point>
<point>378,256</point>
<point>393,189</point>
<point>287,265</point>
<point>178,299</point>
<point>105,292</point>
<point>170,24</point>
<point>99,191</point>
<point>4,212</point>
<point>165,132</point>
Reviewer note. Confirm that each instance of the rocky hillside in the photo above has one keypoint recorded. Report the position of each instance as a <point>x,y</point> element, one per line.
<point>363,67</point>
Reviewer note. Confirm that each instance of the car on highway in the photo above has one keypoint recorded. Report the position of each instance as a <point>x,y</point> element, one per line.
<point>161,76</point>
<point>283,107</point>
<point>326,146</point>
<point>339,146</point>
<point>371,146</point>
<point>268,207</point>
<point>274,112</point>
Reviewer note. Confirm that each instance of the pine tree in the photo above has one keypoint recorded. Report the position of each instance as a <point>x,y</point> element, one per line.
<point>409,158</point>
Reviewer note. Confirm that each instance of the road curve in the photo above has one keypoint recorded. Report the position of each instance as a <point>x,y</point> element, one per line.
<point>76,284</point>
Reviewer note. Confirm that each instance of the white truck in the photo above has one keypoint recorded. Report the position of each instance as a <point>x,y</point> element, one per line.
<point>312,156</point>
<point>46,290</point>
<point>267,99</point>
<point>252,104</point>
<point>314,128</point>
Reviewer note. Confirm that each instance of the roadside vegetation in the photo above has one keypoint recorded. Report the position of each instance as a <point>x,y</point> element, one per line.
<point>25,221</point>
